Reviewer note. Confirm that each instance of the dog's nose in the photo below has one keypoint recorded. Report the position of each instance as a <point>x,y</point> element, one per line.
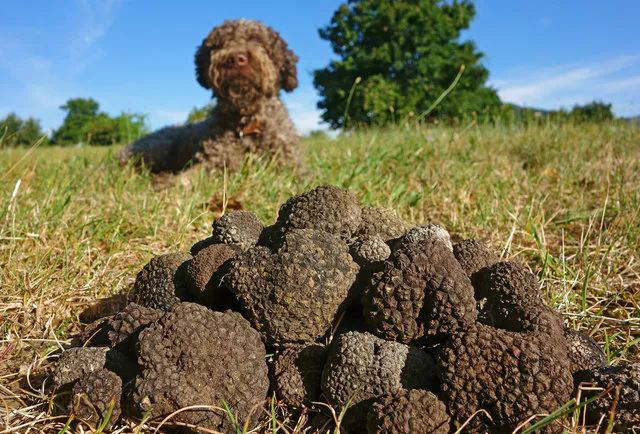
<point>241,59</point>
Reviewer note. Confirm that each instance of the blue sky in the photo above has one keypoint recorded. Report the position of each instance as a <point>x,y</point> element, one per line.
<point>137,55</point>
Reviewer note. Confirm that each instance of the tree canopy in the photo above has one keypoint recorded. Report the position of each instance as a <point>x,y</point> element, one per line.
<point>396,58</point>
<point>15,131</point>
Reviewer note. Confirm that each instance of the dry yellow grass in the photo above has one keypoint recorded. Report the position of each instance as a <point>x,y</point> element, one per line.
<point>75,227</point>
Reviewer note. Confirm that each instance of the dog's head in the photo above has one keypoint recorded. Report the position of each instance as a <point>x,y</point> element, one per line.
<point>243,61</point>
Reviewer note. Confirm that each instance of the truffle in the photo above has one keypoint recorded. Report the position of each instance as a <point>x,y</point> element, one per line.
<point>381,222</point>
<point>96,397</point>
<point>408,411</point>
<point>425,232</point>
<point>297,372</point>
<point>75,363</point>
<point>124,327</point>
<point>238,227</point>
<point>621,384</point>
<point>584,352</point>
<point>325,208</point>
<point>368,250</point>
<point>160,284</point>
<point>473,256</point>
<point>421,291</point>
<point>361,367</point>
<point>510,375</point>
<point>203,274</point>
<point>199,245</point>
<point>293,295</point>
<point>195,356</point>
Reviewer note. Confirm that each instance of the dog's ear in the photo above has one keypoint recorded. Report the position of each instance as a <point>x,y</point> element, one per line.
<point>203,61</point>
<point>289,71</point>
<point>286,60</point>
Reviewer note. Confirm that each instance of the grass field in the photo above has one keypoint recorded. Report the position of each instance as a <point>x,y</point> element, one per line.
<point>564,199</point>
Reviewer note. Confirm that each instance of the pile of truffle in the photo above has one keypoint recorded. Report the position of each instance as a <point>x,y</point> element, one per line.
<point>344,305</point>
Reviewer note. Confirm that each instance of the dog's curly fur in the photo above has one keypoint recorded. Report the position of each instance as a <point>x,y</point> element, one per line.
<point>245,64</point>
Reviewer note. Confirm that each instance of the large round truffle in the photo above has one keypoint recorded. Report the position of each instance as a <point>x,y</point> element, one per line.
<point>195,356</point>
<point>160,284</point>
<point>421,292</point>
<point>510,375</point>
<point>204,272</point>
<point>361,367</point>
<point>297,372</point>
<point>96,397</point>
<point>382,223</point>
<point>408,411</point>
<point>620,385</point>
<point>325,208</point>
<point>242,228</point>
<point>293,295</point>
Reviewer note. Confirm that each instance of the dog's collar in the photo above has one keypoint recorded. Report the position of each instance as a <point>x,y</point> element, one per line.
<point>252,128</point>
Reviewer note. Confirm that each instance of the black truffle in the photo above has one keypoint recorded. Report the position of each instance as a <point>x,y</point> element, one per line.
<point>421,292</point>
<point>160,284</point>
<point>195,356</point>
<point>368,250</point>
<point>96,397</point>
<point>297,372</point>
<point>473,256</point>
<point>621,385</point>
<point>293,295</point>
<point>75,363</point>
<point>510,375</point>
<point>325,208</point>
<point>382,223</point>
<point>425,232</point>
<point>124,327</point>
<point>361,367</point>
<point>408,411</point>
<point>584,352</point>
<point>204,272</point>
<point>242,228</point>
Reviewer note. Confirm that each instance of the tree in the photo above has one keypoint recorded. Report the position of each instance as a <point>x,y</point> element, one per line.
<point>80,113</point>
<point>17,132</point>
<point>84,123</point>
<point>595,111</point>
<point>396,58</point>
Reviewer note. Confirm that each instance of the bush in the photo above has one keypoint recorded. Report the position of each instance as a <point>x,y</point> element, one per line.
<point>17,132</point>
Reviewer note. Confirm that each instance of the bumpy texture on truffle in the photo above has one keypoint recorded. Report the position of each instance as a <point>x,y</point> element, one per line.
<point>199,245</point>
<point>408,411</point>
<point>203,274</point>
<point>361,367</point>
<point>584,352</point>
<point>94,395</point>
<point>325,208</point>
<point>195,356</point>
<point>624,380</point>
<point>160,283</point>
<point>238,227</point>
<point>421,291</point>
<point>424,232</point>
<point>124,327</point>
<point>297,372</point>
<point>473,256</point>
<point>293,295</point>
<point>510,375</point>
<point>381,222</point>
<point>76,363</point>
<point>368,250</point>
<point>505,290</point>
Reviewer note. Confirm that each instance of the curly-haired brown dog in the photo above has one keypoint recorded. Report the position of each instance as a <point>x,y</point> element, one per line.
<point>245,64</point>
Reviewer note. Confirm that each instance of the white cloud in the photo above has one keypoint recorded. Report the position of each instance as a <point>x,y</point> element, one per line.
<point>563,86</point>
